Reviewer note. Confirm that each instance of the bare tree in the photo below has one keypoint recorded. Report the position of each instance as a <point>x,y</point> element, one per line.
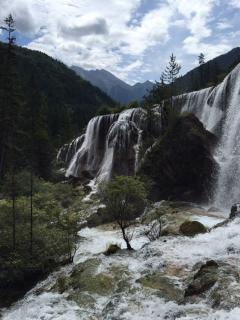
<point>154,230</point>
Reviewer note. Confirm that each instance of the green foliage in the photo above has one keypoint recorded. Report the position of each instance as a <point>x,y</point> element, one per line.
<point>159,92</point>
<point>133,104</point>
<point>43,104</point>
<point>69,98</point>
<point>124,197</point>
<point>172,70</point>
<point>164,89</point>
<point>56,210</point>
<point>103,110</point>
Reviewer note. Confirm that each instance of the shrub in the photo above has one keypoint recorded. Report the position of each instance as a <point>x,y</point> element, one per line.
<point>125,199</point>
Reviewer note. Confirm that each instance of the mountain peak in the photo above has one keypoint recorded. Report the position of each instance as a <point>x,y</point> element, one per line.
<point>116,88</point>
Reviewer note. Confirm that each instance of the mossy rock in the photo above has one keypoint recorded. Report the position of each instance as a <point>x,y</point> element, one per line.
<point>83,299</point>
<point>225,294</point>
<point>170,231</point>
<point>164,286</point>
<point>204,279</point>
<point>101,284</point>
<point>86,268</point>
<point>85,279</point>
<point>192,228</point>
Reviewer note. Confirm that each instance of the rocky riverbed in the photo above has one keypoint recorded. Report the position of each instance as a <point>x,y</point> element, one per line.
<point>185,275</point>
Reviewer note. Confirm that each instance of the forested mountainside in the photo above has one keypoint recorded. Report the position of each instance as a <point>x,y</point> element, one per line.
<point>210,73</point>
<point>69,100</point>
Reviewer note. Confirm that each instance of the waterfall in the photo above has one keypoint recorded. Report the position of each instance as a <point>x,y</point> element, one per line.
<point>112,143</point>
<point>219,110</point>
<point>87,160</point>
<point>110,146</point>
<point>67,151</point>
<point>204,104</point>
<point>227,190</point>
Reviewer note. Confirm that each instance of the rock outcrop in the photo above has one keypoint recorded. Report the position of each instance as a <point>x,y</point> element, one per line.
<point>180,164</point>
<point>204,279</point>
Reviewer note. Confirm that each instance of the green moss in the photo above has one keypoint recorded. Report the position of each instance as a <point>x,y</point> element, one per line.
<point>165,286</point>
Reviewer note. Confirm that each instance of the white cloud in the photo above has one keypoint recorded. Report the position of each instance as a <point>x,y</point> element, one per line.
<point>193,46</point>
<point>235,3</point>
<point>199,15</point>
<point>116,35</point>
<point>223,25</point>
<point>98,34</point>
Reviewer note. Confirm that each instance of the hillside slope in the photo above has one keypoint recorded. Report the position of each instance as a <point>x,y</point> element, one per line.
<point>69,99</point>
<point>210,73</point>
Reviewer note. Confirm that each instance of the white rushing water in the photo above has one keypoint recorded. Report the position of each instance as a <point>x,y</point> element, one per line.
<point>219,110</point>
<point>228,153</point>
<point>109,146</point>
<point>178,253</point>
<point>112,143</point>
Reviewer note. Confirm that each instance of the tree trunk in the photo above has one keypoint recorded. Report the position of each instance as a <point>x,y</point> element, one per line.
<point>125,238</point>
<point>13,213</point>
<point>128,245</point>
<point>31,212</point>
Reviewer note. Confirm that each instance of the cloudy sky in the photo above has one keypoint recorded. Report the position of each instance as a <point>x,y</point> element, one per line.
<point>131,38</point>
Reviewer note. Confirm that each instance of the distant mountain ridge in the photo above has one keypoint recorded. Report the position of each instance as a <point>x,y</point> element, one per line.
<point>117,89</point>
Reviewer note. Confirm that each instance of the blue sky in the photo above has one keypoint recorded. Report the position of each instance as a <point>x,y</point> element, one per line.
<point>131,38</point>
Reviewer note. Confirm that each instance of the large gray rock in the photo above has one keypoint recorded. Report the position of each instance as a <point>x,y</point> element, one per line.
<point>204,279</point>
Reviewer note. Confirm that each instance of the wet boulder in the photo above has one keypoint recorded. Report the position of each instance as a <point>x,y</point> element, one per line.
<point>235,211</point>
<point>112,249</point>
<point>192,228</point>
<point>165,287</point>
<point>204,279</point>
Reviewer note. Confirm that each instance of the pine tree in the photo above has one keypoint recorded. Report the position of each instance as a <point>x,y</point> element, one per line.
<point>171,74</point>
<point>201,58</point>
<point>8,118</point>
<point>11,118</point>
<point>8,61</point>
